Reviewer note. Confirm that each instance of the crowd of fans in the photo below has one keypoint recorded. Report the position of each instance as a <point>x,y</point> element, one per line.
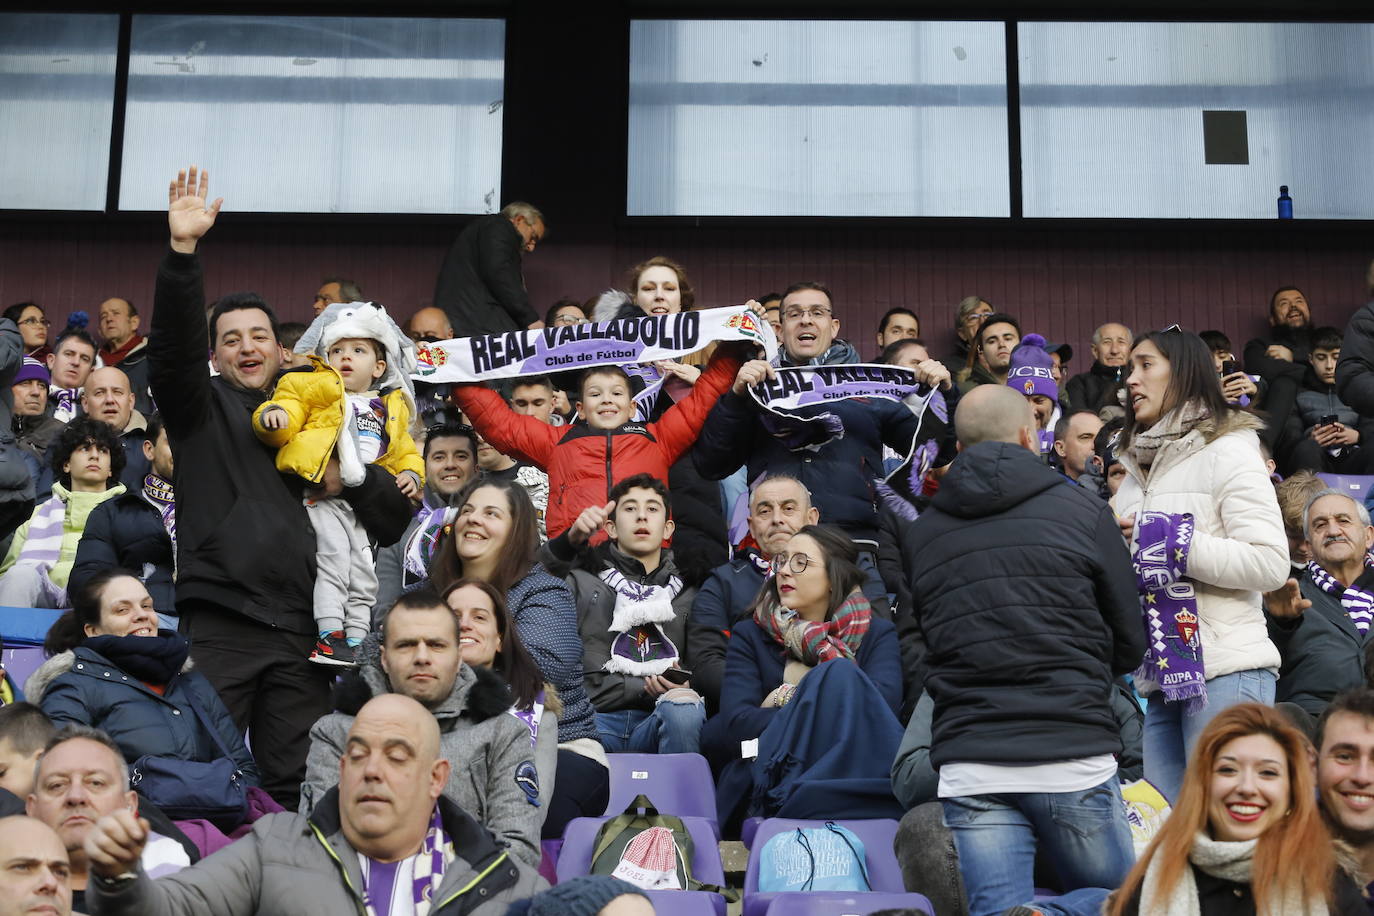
<point>335,638</point>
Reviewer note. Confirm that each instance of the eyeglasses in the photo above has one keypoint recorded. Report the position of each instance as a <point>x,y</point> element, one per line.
<point>817,312</point>
<point>41,322</point>
<point>796,562</point>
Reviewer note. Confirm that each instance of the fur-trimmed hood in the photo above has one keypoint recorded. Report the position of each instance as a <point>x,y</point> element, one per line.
<point>39,682</point>
<point>478,693</point>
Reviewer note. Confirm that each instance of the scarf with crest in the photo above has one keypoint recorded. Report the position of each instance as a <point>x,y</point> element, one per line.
<point>1173,651</point>
<point>384,883</point>
<point>639,646</point>
<point>812,642</point>
<point>1358,604</point>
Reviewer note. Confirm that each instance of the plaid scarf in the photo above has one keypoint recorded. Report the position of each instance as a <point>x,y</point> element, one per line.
<point>1357,603</point>
<point>1173,654</point>
<point>811,642</point>
<point>158,493</point>
<point>383,880</point>
<point>639,646</point>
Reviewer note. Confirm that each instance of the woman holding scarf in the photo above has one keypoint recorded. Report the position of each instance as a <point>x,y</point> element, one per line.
<point>1207,540</point>
<point>1246,834</point>
<point>813,671</point>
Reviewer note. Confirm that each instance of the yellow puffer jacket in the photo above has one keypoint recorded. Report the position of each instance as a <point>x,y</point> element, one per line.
<point>314,402</point>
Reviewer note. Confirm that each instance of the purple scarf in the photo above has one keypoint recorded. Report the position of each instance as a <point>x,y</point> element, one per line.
<point>1173,654</point>
<point>1358,604</point>
<point>383,881</point>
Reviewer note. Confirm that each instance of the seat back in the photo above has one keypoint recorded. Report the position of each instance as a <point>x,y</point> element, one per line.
<point>679,784</point>
<point>832,904</point>
<point>26,626</point>
<point>687,903</point>
<point>1356,486</point>
<point>20,662</point>
<point>579,840</point>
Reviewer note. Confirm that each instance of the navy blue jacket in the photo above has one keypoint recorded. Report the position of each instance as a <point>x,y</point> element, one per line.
<point>1022,586</point>
<point>754,666</point>
<point>722,602</point>
<point>128,532</point>
<point>839,474</point>
<point>84,687</point>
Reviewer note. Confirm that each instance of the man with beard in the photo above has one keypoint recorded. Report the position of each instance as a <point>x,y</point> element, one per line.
<point>1289,340</point>
<point>1321,622</point>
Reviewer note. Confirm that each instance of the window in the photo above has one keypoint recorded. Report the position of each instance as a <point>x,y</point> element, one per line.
<point>57,77</point>
<point>754,118</point>
<point>317,115</point>
<point>1112,119</point>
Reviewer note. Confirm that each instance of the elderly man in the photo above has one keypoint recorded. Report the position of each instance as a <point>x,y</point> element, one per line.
<point>1320,623</point>
<point>109,395</point>
<point>124,347</point>
<point>778,507</point>
<point>386,841</point>
<point>493,777</point>
<point>35,873</point>
<point>82,777</point>
<point>480,285</point>
<point>1097,387</point>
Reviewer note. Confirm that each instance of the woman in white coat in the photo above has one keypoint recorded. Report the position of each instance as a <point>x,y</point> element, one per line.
<point>1207,538</point>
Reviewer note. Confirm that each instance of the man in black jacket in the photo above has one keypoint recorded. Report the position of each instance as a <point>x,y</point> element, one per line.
<point>246,552</point>
<point>480,285</point>
<point>1320,622</point>
<point>1097,388</point>
<point>1290,337</point>
<point>1023,588</point>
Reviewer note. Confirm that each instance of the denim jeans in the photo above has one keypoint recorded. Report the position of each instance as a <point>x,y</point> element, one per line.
<point>1085,834</point>
<point>1170,731</point>
<point>672,728</point>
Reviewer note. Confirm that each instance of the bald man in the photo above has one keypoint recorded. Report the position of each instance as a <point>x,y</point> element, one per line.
<point>1023,588</point>
<point>386,835</point>
<point>430,324</point>
<point>35,874</point>
<point>109,397</point>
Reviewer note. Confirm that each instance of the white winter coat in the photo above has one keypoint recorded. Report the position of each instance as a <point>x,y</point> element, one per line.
<point>1239,548</point>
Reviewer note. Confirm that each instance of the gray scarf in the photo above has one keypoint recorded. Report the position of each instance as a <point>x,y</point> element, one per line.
<point>1174,425</point>
<point>1227,861</point>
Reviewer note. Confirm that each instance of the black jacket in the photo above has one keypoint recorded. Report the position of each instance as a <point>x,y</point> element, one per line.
<point>128,532</point>
<point>1322,650</point>
<point>244,544</point>
<point>1298,340</point>
<point>1023,588</point>
<point>1355,371</point>
<point>1096,388</point>
<point>480,285</point>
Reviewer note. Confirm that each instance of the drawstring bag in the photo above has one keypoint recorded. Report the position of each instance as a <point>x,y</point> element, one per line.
<point>829,858</point>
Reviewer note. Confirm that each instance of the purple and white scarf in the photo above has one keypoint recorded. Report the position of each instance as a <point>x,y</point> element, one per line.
<point>1357,603</point>
<point>158,493</point>
<point>385,883</point>
<point>1173,654</point>
<point>639,646</point>
<point>65,401</point>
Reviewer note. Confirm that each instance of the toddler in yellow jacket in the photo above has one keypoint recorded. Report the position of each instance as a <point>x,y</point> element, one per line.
<point>352,402</point>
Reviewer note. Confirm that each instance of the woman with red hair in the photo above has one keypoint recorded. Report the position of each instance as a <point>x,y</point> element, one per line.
<point>1246,834</point>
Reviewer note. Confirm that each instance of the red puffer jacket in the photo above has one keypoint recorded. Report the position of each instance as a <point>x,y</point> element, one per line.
<point>584,463</point>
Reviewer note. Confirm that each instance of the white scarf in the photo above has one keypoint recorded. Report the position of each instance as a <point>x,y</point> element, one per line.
<point>641,606</point>
<point>1227,861</point>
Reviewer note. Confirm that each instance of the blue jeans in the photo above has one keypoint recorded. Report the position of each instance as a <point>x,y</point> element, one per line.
<point>1084,833</point>
<point>672,728</point>
<point>1170,731</point>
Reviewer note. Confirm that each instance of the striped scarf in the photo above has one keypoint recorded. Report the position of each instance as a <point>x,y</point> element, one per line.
<point>158,493</point>
<point>410,885</point>
<point>43,546</point>
<point>812,642</point>
<point>1358,604</point>
<point>65,402</point>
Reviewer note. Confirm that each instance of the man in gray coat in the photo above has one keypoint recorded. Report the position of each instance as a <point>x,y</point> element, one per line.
<point>386,833</point>
<point>492,775</point>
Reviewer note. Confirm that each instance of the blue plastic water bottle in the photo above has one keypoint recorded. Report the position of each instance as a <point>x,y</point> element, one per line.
<point>1285,203</point>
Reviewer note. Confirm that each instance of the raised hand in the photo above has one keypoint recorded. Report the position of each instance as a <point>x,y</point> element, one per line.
<point>1286,602</point>
<point>589,522</point>
<point>187,215</point>
<point>750,374</point>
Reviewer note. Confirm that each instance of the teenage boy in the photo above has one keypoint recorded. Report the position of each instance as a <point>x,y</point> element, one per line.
<point>632,611</point>
<point>1327,435</point>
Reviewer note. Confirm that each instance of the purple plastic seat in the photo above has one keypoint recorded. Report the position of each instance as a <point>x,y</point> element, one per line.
<point>678,784</point>
<point>842,904</point>
<point>579,839</point>
<point>884,874</point>
<point>20,662</point>
<point>1356,486</point>
<point>687,903</point>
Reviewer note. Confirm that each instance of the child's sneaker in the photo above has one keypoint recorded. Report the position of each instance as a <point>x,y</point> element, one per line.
<point>333,649</point>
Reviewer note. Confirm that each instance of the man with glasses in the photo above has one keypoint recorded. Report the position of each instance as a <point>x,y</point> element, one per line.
<point>839,473</point>
<point>968,316</point>
<point>1025,594</point>
<point>480,285</point>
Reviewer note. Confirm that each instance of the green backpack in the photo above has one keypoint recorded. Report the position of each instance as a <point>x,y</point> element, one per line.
<point>649,850</point>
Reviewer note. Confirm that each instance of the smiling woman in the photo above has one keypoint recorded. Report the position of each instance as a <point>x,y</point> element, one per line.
<point>1246,833</point>
<point>112,668</point>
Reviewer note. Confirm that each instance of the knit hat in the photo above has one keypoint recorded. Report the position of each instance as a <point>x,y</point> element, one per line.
<point>583,896</point>
<point>1030,369</point>
<point>32,369</point>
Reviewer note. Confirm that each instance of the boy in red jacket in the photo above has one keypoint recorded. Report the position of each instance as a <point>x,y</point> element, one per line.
<point>585,460</point>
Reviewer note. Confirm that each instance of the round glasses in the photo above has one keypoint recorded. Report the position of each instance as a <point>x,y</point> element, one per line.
<point>796,563</point>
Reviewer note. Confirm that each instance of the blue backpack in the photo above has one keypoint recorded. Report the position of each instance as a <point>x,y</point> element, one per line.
<point>829,858</point>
